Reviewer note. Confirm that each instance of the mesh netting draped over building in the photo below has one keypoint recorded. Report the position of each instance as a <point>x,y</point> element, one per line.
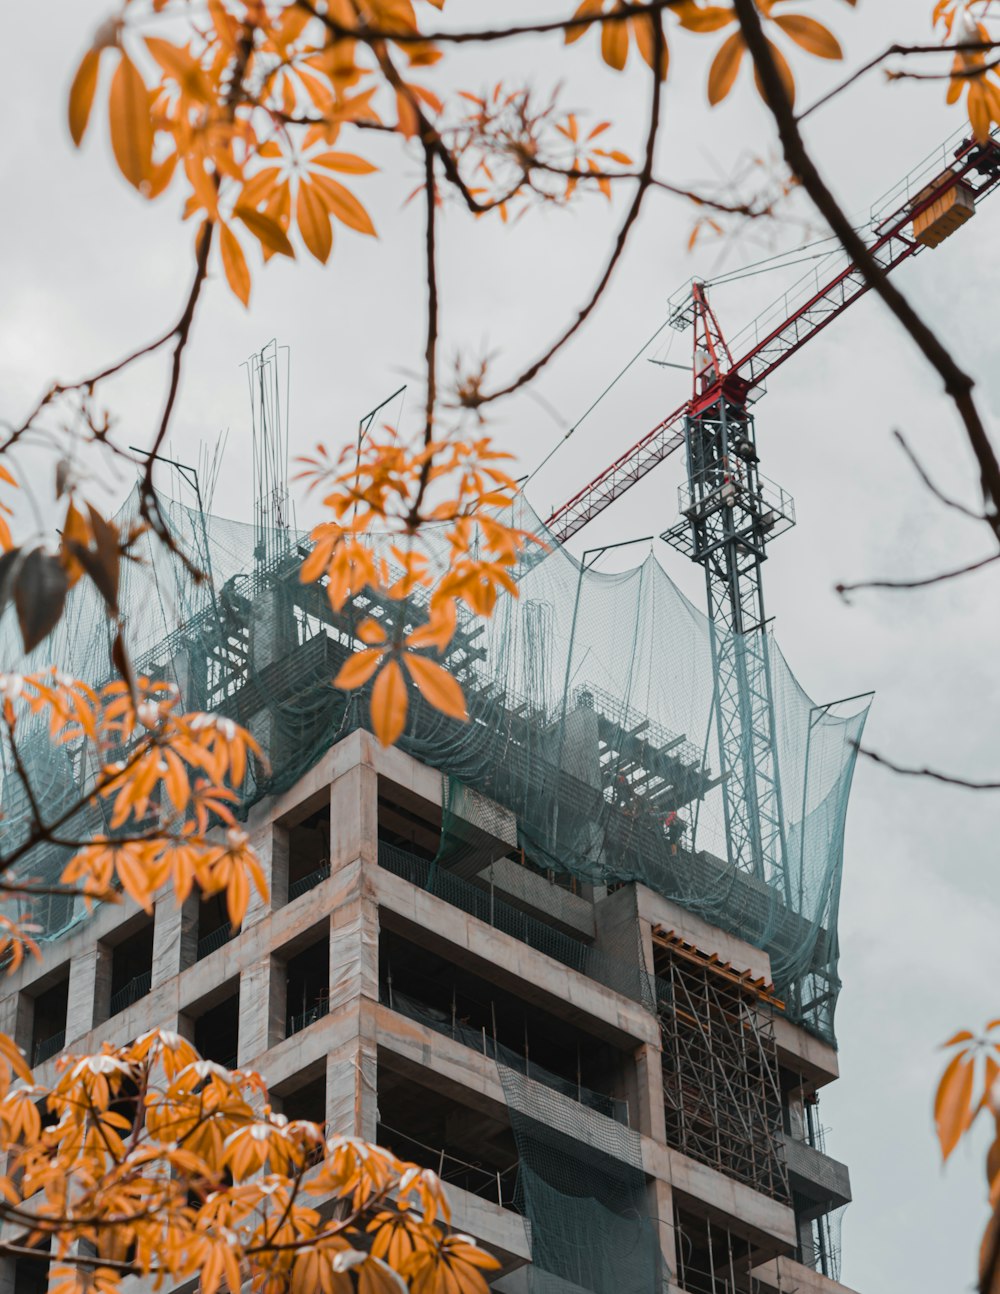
<point>593,720</point>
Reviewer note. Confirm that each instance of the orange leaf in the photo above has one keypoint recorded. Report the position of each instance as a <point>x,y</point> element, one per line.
<point>587,8</point>
<point>358,669</point>
<point>348,163</point>
<point>371,632</point>
<point>131,127</point>
<point>811,35</point>
<point>437,686</point>
<point>81,94</point>
<point>235,264</point>
<point>389,704</point>
<point>953,1103</point>
<point>314,222</point>
<point>725,68</point>
<point>267,231</point>
<point>712,18</point>
<point>614,44</point>
<point>343,204</point>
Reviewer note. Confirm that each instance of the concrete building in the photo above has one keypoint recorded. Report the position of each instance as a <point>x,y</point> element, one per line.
<point>376,1006</point>
<point>511,950</point>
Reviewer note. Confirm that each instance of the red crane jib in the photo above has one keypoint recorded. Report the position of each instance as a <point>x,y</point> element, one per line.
<point>915,222</point>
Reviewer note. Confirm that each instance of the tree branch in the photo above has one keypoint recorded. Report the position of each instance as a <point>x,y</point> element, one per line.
<point>931,773</point>
<point>925,582</point>
<point>644,183</point>
<point>408,36</point>
<point>903,51</point>
<point>934,489</point>
<point>957,383</point>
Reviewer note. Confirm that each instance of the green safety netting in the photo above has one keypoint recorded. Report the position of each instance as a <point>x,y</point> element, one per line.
<point>592,723</point>
<point>582,1189</point>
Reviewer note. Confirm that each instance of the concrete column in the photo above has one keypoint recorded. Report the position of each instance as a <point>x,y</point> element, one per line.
<point>175,936</point>
<point>262,1008</point>
<point>17,1019</point>
<point>351,1077</point>
<point>89,991</point>
<point>354,811</point>
<point>649,1093</point>
<point>270,842</point>
<point>660,1202</point>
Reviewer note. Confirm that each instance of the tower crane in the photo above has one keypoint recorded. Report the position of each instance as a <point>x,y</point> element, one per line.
<point>729,511</point>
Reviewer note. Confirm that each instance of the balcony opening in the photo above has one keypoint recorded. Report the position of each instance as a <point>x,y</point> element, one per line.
<point>48,1029</point>
<point>131,968</point>
<point>31,1271</point>
<point>217,1031</point>
<point>309,853</point>
<point>307,992</point>
<point>304,1097</point>
<point>469,1150</point>
<point>214,929</point>
<point>496,1023</point>
<point>406,822</point>
<point>711,1259</point>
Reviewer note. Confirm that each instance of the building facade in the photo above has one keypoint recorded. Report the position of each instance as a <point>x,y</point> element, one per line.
<point>609,1084</point>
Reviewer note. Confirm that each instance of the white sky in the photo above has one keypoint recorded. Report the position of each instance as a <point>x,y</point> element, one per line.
<point>88,270</point>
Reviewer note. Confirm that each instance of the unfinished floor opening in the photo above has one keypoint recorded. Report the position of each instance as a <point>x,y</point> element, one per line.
<point>308,852</point>
<point>217,1029</point>
<point>307,980</point>
<point>131,968</point>
<point>499,1025</point>
<point>468,1149</point>
<point>48,1024</point>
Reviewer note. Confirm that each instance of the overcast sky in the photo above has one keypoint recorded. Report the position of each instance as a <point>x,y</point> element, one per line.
<point>88,270</point>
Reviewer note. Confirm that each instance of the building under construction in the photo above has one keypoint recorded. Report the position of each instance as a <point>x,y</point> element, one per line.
<point>577,954</point>
<point>516,949</point>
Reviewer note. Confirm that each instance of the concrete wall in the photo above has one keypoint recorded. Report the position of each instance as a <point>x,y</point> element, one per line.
<point>349,910</point>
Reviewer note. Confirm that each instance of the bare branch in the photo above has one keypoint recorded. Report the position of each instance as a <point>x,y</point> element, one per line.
<point>932,773</point>
<point>923,583</point>
<point>644,183</point>
<point>370,35</point>
<point>934,489</point>
<point>149,504</point>
<point>905,51</point>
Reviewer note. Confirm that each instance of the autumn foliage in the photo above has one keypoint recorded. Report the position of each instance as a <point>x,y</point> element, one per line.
<point>254,116</point>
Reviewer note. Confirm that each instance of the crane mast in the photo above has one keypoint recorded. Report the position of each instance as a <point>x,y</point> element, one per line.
<point>730,511</point>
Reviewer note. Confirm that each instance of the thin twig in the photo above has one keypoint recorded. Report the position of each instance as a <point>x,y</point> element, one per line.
<point>149,504</point>
<point>938,493</point>
<point>903,51</point>
<point>369,34</point>
<point>644,182</point>
<point>922,583</point>
<point>933,773</point>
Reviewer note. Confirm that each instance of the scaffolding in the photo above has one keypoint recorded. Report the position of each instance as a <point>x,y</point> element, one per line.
<point>721,1090</point>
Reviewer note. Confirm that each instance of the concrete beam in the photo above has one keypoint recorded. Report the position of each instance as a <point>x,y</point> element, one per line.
<point>507,962</point>
<point>708,938</point>
<point>805,1054</point>
<point>817,1176</point>
<point>783,1274</point>
<point>526,890</point>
